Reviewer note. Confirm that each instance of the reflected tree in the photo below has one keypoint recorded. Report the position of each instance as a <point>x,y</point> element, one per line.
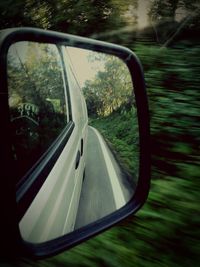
<point>36,99</point>
<point>110,89</point>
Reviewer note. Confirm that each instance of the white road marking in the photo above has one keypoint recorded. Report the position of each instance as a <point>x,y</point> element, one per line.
<point>116,188</point>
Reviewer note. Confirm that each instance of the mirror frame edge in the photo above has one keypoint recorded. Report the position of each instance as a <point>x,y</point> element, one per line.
<point>69,240</point>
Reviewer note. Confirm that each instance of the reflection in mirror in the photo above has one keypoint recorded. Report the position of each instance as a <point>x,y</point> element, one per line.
<point>36,100</point>
<point>113,152</point>
<point>97,172</point>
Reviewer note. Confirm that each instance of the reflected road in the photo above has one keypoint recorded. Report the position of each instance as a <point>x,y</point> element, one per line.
<point>105,188</point>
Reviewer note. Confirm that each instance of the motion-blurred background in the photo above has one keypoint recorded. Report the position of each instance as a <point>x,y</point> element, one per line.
<point>165,34</point>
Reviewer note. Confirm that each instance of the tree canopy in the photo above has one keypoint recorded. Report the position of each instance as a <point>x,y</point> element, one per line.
<point>110,89</point>
<point>84,17</point>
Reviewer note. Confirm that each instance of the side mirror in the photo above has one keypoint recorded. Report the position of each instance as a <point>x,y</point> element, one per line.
<point>74,141</point>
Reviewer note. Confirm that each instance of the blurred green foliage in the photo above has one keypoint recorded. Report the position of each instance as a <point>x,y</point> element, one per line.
<point>70,16</point>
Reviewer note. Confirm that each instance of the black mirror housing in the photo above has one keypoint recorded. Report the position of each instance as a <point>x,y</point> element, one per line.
<point>10,197</point>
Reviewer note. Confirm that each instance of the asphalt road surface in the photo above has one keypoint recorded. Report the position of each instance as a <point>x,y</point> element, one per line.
<point>105,187</point>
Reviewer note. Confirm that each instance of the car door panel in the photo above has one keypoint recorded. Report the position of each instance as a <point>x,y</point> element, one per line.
<point>53,199</point>
<point>53,211</point>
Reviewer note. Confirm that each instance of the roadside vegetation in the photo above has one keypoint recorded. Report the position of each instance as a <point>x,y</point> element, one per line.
<point>121,130</point>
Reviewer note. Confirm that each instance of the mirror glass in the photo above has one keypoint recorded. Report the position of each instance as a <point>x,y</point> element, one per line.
<point>50,89</point>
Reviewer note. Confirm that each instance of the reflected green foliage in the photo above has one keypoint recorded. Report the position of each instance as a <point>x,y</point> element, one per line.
<point>110,89</point>
<point>111,109</point>
<point>36,100</point>
<point>120,129</point>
